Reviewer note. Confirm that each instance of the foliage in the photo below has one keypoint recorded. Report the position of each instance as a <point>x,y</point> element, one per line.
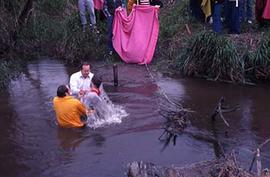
<point>9,69</point>
<point>12,6</point>
<point>52,8</point>
<point>258,63</point>
<point>173,19</point>
<point>61,35</point>
<point>213,56</point>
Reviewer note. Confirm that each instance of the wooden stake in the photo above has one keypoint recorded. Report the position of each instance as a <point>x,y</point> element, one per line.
<point>115,75</point>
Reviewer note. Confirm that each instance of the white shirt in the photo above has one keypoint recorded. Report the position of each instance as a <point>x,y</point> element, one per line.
<point>78,82</point>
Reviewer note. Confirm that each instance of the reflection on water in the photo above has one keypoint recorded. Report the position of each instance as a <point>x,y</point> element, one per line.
<point>31,144</point>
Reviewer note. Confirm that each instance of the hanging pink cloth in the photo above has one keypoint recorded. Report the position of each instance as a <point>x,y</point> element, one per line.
<point>98,4</point>
<point>135,36</point>
<point>266,13</point>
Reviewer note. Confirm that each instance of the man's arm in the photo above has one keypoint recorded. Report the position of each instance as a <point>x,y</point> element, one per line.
<point>74,85</point>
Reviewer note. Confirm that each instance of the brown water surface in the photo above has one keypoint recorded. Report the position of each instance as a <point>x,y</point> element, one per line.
<point>31,144</point>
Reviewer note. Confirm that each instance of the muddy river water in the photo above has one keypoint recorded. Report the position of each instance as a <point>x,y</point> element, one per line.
<point>31,144</point>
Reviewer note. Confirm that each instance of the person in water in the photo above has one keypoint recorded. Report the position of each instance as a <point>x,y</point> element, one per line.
<point>70,112</point>
<point>80,82</point>
<point>96,83</point>
<point>94,99</point>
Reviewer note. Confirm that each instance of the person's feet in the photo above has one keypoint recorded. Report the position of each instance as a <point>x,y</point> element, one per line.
<point>94,29</point>
<point>110,52</point>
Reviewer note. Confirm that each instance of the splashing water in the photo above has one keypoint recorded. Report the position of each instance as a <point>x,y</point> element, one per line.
<point>105,112</point>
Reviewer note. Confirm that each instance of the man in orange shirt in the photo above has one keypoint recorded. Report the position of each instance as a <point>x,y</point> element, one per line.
<point>69,111</point>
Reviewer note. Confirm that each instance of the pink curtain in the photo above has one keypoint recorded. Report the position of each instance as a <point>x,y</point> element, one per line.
<point>98,4</point>
<point>135,36</point>
<point>266,13</point>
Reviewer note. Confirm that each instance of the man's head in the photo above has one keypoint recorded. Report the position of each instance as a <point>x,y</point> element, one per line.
<point>62,91</point>
<point>85,69</point>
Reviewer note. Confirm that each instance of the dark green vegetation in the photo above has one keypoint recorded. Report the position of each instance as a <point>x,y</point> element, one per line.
<point>48,28</point>
<point>32,28</point>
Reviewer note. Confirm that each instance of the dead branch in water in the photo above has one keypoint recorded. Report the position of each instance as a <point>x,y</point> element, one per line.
<point>221,108</point>
<point>175,125</point>
<point>257,156</point>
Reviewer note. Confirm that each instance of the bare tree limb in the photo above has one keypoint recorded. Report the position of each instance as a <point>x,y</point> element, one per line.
<point>25,13</point>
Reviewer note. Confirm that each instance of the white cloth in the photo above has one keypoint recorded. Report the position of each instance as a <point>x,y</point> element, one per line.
<point>98,103</point>
<point>78,82</point>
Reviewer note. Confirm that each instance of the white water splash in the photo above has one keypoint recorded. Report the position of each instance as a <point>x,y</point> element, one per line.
<point>105,112</point>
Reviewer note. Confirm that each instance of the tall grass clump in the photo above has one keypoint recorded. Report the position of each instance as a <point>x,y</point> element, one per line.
<point>258,63</point>
<point>9,69</point>
<point>212,56</point>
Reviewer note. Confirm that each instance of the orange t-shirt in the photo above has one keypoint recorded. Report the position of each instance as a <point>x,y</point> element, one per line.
<point>68,111</point>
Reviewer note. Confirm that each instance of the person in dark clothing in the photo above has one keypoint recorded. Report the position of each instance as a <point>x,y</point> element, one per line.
<point>234,17</point>
<point>108,10</point>
<point>217,24</point>
<point>196,11</point>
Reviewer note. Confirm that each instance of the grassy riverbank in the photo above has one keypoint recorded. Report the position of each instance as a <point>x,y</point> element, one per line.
<point>188,47</point>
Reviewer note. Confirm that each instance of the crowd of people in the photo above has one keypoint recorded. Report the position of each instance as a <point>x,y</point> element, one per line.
<point>232,13</point>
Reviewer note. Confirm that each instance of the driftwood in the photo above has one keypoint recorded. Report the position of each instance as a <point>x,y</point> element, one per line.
<point>223,167</point>
<point>177,124</point>
<point>174,126</point>
<point>257,157</point>
<point>221,108</point>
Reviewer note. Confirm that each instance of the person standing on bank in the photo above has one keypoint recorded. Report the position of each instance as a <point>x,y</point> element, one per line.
<point>246,10</point>
<point>70,112</point>
<point>80,82</point>
<point>89,5</point>
<point>109,8</point>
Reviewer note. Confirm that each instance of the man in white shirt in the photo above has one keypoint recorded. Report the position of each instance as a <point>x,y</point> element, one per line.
<point>80,82</point>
